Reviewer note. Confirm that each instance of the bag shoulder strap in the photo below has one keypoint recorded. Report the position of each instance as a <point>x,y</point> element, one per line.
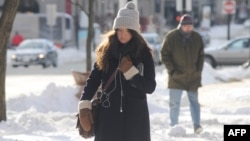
<point>111,78</point>
<point>99,94</point>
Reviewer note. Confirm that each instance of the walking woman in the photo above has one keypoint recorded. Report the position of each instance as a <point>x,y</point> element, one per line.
<point>123,114</point>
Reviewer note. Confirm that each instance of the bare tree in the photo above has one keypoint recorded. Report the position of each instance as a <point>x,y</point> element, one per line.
<point>90,36</point>
<point>6,23</point>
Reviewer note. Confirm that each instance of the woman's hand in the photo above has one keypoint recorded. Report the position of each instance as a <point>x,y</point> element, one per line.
<point>125,64</point>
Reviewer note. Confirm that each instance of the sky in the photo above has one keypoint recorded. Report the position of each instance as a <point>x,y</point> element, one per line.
<point>45,110</point>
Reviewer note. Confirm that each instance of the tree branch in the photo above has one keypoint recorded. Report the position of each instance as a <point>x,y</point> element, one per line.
<point>76,3</point>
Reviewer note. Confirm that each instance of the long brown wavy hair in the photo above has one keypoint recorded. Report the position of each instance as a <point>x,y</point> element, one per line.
<point>110,38</point>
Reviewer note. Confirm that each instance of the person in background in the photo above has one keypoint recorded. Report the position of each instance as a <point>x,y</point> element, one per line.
<point>16,39</point>
<point>182,54</point>
<point>123,114</point>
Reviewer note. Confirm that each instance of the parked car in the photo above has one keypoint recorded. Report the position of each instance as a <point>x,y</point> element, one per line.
<point>154,42</point>
<point>247,23</point>
<point>35,52</point>
<point>233,52</point>
<point>205,37</point>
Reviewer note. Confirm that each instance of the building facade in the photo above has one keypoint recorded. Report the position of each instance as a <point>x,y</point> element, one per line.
<point>152,12</point>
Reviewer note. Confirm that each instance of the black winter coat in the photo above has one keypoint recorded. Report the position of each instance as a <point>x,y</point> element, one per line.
<point>132,124</point>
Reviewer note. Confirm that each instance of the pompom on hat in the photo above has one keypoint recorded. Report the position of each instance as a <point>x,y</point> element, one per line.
<point>186,19</point>
<point>128,17</point>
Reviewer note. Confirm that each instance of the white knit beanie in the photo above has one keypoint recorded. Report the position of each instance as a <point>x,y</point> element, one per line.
<point>128,17</point>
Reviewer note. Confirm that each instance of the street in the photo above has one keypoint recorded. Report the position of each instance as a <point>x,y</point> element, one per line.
<point>61,69</point>
<point>24,79</point>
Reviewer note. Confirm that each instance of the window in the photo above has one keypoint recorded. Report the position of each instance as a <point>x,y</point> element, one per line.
<point>239,44</point>
<point>67,21</point>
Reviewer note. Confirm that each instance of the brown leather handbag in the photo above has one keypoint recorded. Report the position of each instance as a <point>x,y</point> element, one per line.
<point>96,103</point>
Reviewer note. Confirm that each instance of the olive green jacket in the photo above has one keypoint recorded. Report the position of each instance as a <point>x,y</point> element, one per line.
<point>183,60</point>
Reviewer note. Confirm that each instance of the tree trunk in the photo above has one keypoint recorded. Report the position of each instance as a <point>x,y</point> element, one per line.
<point>90,36</point>
<point>6,22</point>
